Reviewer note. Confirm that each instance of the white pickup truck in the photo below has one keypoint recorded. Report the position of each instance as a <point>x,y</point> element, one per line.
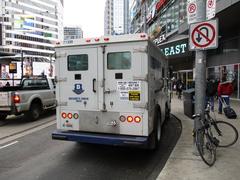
<point>31,97</point>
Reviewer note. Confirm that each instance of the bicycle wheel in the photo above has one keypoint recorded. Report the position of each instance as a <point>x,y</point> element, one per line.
<point>205,147</point>
<point>225,132</point>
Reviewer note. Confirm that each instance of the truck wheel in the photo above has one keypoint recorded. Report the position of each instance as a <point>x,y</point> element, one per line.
<point>3,117</point>
<point>156,135</point>
<point>167,113</point>
<point>35,111</point>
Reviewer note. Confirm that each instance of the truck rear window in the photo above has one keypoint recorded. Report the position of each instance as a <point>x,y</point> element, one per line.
<point>35,83</point>
<point>78,62</point>
<point>119,60</point>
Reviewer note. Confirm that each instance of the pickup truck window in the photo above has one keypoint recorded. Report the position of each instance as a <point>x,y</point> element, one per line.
<point>119,60</point>
<point>35,83</point>
<point>78,62</point>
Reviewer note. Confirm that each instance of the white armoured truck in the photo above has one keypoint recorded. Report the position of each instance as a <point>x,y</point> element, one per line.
<point>111,90</point>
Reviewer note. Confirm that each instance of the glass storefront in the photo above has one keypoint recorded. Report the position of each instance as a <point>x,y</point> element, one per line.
<point>232,73</point>
<point>186,76</point>
<point>169,18</point>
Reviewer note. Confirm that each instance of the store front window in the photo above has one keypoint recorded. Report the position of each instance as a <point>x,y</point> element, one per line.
<point>170,18</point>
<point>182,11</point>
<point>231,72</point>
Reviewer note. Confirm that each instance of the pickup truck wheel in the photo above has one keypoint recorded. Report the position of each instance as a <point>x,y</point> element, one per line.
<point>35,111</point>
<point>3,117</point>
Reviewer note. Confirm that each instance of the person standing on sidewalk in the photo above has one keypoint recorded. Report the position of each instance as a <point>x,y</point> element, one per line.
<point>179,86</point>
<point>225,89</point>
<point>211,91</point>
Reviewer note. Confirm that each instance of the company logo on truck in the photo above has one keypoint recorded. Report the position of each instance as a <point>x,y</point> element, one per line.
<point>78,89</point>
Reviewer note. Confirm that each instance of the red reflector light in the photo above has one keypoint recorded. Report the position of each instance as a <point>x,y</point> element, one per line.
<point>122,118</point>
<point>64,115</point>
<point>75,116</point>
<point>16,99</point>
<point>130,119</point>
<point>69,116</point>
<point>88,40</point>
<point>106,39</point>
<point>137,119</point>
<point>97,39</point>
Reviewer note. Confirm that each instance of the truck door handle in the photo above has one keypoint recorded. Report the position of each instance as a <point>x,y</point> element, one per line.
<point>94,82</point>
<point>108,91</point>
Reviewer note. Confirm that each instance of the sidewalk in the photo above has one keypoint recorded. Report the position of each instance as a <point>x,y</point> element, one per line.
<point>183,165</point>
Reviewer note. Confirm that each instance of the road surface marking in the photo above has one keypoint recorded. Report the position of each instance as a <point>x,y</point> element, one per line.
<point>12,143</point>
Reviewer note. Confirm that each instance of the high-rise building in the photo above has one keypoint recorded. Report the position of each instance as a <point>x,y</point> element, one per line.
<point>108,17</point>
<point>31,26</point>
<point>71,33</point>
<point>116,17</point>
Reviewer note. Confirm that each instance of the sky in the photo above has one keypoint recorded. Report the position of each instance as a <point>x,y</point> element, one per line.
<point>88,14</point>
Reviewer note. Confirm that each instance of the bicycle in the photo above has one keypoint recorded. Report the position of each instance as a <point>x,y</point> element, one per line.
<point>206,143</point>
<point>225,132</point>
<point>211,135</point>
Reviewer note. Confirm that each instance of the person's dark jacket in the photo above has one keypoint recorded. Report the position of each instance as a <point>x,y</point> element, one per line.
<point>211,89</point>
<point>179,85</point>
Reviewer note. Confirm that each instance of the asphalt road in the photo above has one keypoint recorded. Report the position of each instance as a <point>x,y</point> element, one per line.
<point>37,156</point>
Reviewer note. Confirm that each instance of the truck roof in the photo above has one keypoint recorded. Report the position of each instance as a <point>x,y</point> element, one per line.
<point>107,40</point>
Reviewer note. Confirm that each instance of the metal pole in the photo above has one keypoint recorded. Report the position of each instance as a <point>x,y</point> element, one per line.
<point>22,63</point>
<point>200,70</point>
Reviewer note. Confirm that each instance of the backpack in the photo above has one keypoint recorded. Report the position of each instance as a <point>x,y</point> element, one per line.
<point>179,85</point>
<point>229,112</point>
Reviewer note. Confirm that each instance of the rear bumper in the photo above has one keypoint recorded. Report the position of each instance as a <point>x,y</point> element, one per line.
<point>8,110</point>
<point>107,139</point>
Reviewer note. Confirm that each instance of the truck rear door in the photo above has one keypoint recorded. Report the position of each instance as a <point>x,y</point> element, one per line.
<point>124,74</point>
<point>79,89</point>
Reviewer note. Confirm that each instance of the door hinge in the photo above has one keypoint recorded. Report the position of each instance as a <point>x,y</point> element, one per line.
<point>141,78</point>
<point>60,79</point>
<point>141,105</point>
<point>62,103</point>
<point>140,50</point>
<point>61,55</point>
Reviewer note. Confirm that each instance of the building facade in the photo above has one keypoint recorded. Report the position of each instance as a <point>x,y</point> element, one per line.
<point>71,33</point>
<point>166,23</point>
<point>31,26</point>
<point>108,17</point>
<point>116,17</point>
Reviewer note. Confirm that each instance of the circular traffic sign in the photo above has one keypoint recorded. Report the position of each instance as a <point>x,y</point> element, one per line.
<point>192,8</point>
<point>208,35</point>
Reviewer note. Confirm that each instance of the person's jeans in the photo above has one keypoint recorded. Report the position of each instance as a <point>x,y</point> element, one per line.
<point>210,99</point>
<point>224,98</point>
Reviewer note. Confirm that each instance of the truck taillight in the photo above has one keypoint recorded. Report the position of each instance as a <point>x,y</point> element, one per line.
<point>16,99</point>
<point>69,115</point>
<point>130,119</point>
<point>106,39</point>
<point>137,119</point>
<point>64,115</point>
<point>143,35</point>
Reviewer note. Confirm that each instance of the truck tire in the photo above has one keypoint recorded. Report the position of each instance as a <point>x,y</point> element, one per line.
<point>34,112</point>
<point>167,113</point>
<point>3,117</point>
<point>156,134</point>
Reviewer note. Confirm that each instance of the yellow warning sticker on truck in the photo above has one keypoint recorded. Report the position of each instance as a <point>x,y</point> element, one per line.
<point>134,95</point>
